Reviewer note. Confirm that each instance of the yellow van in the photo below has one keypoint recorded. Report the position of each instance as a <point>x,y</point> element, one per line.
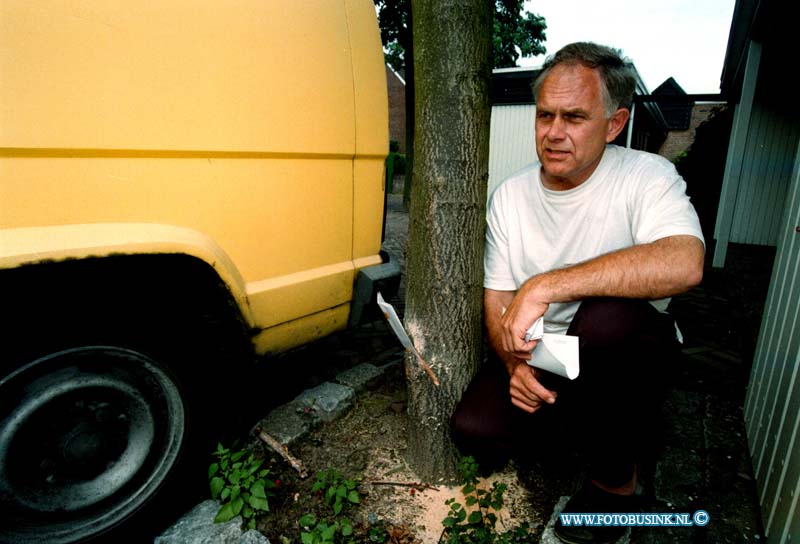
<point>182,183</point>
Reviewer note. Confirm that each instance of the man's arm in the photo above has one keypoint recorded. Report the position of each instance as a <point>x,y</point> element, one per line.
<point>656,270</point>
<point>526,391</point>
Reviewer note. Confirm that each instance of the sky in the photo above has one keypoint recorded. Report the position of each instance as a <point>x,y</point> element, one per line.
<point>684,39</point>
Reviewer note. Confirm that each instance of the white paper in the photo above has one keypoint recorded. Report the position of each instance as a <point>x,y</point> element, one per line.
<point>556,353</point>
<point>400,332</point>
<point>396,325</point>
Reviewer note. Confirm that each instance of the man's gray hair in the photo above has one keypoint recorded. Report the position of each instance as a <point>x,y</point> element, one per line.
<point>618,81</point>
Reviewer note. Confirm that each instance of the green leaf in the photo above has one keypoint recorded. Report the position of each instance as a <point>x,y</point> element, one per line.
<point>308,520</point>
<point>337,508</point>
<point>235,491</point>
<point>225,494</point>
<point>259,503</point>
<point>354,497</point>
<point>237,505</point>
<point>258,491</point>
<point>341,491</point>
<point>347,528</point>
<point>225,513</point>
<point>251,524</point>
<point>471,500</point>
<point>216,484</point>
<point>328,532</point>
<point>475,517</point>
<point>307,538</point>
<point>236,456</point>
<point>467,489</point>
<point>212,469</point>
<point>235,477</point>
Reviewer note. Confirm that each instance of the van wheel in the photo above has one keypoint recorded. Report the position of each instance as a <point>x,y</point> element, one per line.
<point>113,398</point>
<point>87,437</point>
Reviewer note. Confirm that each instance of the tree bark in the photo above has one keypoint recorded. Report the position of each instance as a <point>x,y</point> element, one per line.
<point>443,315</point>
<point>410,100</point>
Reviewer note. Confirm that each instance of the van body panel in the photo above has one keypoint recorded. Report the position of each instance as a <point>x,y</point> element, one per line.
<point>177,75</point>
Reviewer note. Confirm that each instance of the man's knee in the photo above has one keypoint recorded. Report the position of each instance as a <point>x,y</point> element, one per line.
<point>607,322</point>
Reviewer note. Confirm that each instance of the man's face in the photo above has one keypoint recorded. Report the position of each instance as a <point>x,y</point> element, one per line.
<point>571,126</point>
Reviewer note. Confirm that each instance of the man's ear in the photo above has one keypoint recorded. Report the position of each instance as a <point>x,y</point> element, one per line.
<point>616,123</point>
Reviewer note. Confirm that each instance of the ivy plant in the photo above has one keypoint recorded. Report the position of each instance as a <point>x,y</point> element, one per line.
<point>237,480</point>
<point>337,492</point>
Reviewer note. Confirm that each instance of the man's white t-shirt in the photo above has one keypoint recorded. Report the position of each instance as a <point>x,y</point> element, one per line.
<point>632,198</point>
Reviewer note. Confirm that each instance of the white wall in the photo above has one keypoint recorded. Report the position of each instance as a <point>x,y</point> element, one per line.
<point>511,141</point>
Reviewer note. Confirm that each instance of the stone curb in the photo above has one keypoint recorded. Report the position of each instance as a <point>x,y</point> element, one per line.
<point>197,527</point>
<point>290,422</point>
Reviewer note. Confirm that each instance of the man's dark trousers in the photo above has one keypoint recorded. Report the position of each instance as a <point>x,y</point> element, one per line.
<point>606,414</point>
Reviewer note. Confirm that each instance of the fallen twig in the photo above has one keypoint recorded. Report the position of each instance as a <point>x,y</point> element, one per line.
<point>419,486</point>
<point>273,443</point>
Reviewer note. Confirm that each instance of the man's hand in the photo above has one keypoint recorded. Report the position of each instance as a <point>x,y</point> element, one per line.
<point>527,393</point>
<point>520,316</point>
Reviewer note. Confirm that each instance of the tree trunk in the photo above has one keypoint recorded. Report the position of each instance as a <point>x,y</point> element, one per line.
<point>452,47</point>
<point>409,75</point>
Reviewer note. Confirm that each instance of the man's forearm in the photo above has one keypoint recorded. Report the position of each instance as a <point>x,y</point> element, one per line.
<point>650,271</point>
<point>493,304</point>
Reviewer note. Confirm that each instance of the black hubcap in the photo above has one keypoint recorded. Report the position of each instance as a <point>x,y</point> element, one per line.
<point>87,436</point>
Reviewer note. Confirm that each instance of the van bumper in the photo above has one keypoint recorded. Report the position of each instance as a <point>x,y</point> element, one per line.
<point>383,277</point>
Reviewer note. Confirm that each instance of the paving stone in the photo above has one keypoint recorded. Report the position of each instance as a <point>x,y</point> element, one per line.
<point>665,535</point>
<point>724,425</point>
<point>326,401</point>
<point>197,527</point>
<point>683,403</point>
<point>684,432</point>
<point>678,474</point>
<point>360,377</point>
<point>287,423</point>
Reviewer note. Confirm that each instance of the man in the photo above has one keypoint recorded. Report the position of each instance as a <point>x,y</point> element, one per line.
<point>594,238</point>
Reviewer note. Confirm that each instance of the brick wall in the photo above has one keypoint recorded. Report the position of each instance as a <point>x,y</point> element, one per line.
<point>397,108</point>
<point>679,141</point>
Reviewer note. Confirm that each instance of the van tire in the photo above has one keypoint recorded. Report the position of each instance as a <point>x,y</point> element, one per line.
<point>157,356</point>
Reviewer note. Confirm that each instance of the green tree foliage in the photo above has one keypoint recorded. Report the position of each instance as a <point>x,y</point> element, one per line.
<point>515,32</point>
<point>394,17</point>
<point>515,29</point>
